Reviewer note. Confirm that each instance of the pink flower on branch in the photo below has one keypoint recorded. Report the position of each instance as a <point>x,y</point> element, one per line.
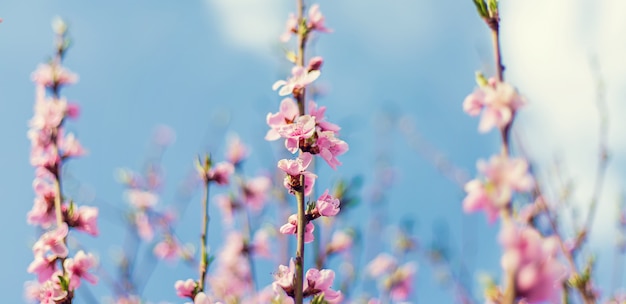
<point>53,75</point>
<point>294,169</point>
<point>330,147</point>
<point>301,129</point>
<point>316,20</point>
<point>320,282</point>
<point>52,242</point>
<point>292,228</point>
<point>502,177</point>
<point>288,111</point>
<point>498,102</point>
<point>77,269</point>
<point>539,275</point>
<point>185,289</point>
<point>327,205</point>
<point>300,78</point>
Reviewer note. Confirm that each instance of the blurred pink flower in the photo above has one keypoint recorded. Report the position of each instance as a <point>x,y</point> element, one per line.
<point>255,192</point>
<point>141,199</point>
<point>85,219</point>
<point>340,241</point>
<point>539,274</point>
<point>502,176</point>
<point>77,268</point>
<point>380,265</point>
<point>498,100</point>
<point>221,173</point>
<point>236,151</point>
<point>290,28</point>
<point>166,249</point>
<point>50,75</point>
<point>185,289</point>
<point>316,20</point>
<point>53,242</point>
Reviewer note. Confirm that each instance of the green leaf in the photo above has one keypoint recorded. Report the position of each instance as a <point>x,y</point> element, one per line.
<point>65,284</point>
<point>481,81</point>
<point>481,7</point>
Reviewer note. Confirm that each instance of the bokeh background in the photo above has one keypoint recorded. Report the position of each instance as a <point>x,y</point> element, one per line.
<point>205,69</point>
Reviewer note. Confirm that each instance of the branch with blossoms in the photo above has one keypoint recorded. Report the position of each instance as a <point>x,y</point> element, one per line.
<point>58,276</point>
<point>530,261</point>
<point>309,134</point>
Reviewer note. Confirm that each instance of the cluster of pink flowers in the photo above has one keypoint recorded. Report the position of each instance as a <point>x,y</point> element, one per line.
<point>317,283</point>
<point>533,260</point>
<point>57,274</point>
<point>529,259</point>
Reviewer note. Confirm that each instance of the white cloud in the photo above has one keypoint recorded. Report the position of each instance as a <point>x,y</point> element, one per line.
<point>547,49</point>
<point>250,24</point>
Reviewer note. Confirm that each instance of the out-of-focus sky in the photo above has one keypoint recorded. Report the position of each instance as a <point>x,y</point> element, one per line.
<point>205,68</point>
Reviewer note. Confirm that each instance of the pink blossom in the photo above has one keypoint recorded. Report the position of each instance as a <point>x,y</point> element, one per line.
<point>503,176</point>
<point>77,268</point>
<point>49,292</point>
<point>185,289</point>
<point>141,199</point>
<point>43,266</point>
<point>70,146</point>
<point>255,192</point>
<point>288,111</point>
<point>285,275</point>
<point>85,219</point>
<point>295,167</point>
<point>340,241</point>
<point>316,20</point>
<point>327,205</point>
<point>202,298</point>
<point>539,274</point>
<point>236,151</point>
<point>320,281</point>
<point>48,113</point>
<point>383,263</point>
<point>52,241</point>
<point>498,100</point>
<point>300,78</point>
<point>302,128</point>
<point>402,282</point>
<point>479,198</point>
<point>221,173</point>
<point>330,147</point>
<point>227,205</point>
<point>42,213</point>
<point>50,75</point>
<point>292,228</point>
<point>280,296</point>
<point>166,249</point>
<point>315,63</point>
<point>144,228</point>
<point>73,110</point>
<point>318,113</point>
<point>290,28</point>
<point>261,244</point>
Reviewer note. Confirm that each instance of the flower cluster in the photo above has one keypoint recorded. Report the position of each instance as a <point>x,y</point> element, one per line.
<point>57,275</point>
<point>317,283</point>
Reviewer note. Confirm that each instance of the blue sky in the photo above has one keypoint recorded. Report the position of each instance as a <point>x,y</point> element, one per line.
<point>205,68</point>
